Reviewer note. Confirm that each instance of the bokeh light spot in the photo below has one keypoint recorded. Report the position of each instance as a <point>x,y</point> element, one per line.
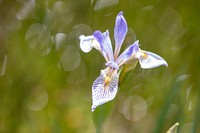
<point>173,109</point>
<point>59,40</point>
<point>134,108</point>
<point>182,77</point>
<point>70,59</point>
<point>100,4</point>
<point>26,9</point>
<point>38,99</point>
<point>82,28</point>
<point>170,21</point>
<point>3,62</point>
<point>38,37</point>
<point>61,9</point>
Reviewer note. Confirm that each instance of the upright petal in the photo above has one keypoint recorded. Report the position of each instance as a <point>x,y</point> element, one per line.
<point>128,54</point>
<point>105,44</point>
<point>120,32</point>
<point>104,88</point>
<point>150,60</point>
<point>87,43</point>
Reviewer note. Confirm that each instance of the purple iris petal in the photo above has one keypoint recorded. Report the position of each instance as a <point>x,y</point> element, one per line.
<point>105,44</point>
<point>128,54</point>
<point>120,32</point>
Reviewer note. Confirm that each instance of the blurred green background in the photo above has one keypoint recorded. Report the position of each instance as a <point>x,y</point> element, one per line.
<point>45,79</point>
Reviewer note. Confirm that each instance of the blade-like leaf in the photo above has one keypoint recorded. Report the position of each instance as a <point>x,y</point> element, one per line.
<point>173,129</point>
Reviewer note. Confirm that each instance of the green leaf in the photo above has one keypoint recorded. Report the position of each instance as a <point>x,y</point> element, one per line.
<point>101,114</point>
<point>126,68</point>
<point>173,129</point>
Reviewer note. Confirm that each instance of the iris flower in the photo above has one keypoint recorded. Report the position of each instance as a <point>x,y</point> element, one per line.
<point>105,87</point>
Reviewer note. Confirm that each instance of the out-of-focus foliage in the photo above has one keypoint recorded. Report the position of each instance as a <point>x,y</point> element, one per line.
<point>45,79</point>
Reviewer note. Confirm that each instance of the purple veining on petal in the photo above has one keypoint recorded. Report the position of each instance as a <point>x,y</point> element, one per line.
<point>104,88</point>
<point>128,54</point>
<point>105,44</point>
<point>120,32</point>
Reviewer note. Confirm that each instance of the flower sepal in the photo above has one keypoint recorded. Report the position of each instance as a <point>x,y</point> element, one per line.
<point>104,88</point>
<point>150,60</point>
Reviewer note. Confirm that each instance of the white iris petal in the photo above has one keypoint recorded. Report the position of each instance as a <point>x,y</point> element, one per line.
<point>87,43</point>
<point>104,88</point>
<point>150,60</point>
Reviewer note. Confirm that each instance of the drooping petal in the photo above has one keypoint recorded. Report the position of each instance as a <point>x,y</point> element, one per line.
<point>128,54</point>
<point>104,88</point>
<point>120,32</point>
<point>105,44</point>
<point>150,60</point>
<point>87,43</point>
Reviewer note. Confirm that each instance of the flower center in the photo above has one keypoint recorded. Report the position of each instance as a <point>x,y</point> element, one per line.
<point>107,78</point>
